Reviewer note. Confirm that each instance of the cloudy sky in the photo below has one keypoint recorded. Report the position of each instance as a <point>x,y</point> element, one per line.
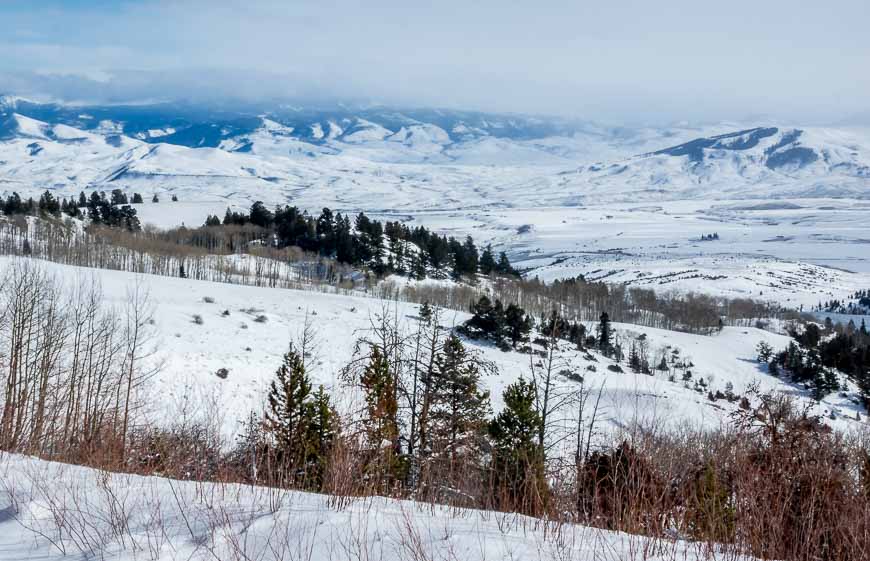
<point>617,60</point>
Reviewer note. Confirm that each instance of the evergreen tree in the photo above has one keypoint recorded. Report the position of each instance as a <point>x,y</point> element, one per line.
<point>288,411</point>
<point>577,335</point>
<point>765,351</point>
<point>518,324</point>
<point>417,267</point>
<point>487,260</point>
<point>487,321</point>
<point>137,199</point>
<point>459,408</point>
<point>604,335</point>
<point>426,312</point>
<point>118,197</point>
<point>48,204</point>
<point>470,258</point>
<point>381,416</point>
<point>634,361</point>
<point>260,215</point>
<point>344,246</point>
<point>326,232</point>
<point>517,459</point>
<point>13,204</point>
<point>504,265</point>
<point>322,429</point>
<point>155,198</point>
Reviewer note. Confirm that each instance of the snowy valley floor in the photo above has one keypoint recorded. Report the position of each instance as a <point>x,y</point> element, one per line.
<point>797,253</point>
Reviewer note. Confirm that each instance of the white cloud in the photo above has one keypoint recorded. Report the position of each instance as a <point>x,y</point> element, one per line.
<point>617,60</point>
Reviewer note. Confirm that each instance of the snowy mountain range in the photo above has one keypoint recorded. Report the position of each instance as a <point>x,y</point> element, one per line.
<point>269,154</point>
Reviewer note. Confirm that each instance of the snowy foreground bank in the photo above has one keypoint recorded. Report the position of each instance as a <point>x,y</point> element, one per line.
<point>55,511</point>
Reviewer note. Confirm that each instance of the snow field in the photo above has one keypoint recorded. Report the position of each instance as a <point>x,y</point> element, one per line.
<point>51,511</point>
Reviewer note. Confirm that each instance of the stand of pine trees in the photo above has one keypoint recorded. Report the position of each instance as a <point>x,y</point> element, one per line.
<point>114,212</point>
<point>384,248</point>
<point>859,305</point>
<point>816,355</point>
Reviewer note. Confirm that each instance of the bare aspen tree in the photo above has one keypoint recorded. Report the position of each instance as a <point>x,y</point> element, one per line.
<point>138,314</point>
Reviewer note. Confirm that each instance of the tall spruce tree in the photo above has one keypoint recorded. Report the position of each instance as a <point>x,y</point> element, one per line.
<point>288,412</point>
<point>381,416</point>
<point>322,428</point>
<point>604,335</point>
<point>504,265</point>
<point>459,406</point>
<point>487,260</point>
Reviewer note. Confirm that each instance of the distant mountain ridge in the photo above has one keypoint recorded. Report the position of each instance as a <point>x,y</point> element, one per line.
<point>207,126</point>
<point>392,158</point>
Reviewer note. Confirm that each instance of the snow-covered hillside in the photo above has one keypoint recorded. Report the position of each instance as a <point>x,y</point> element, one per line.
<point>246,330</point>
<point>771,162</point>
<point>53,511</point>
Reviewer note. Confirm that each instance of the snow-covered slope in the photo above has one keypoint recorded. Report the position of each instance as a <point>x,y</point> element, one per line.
<point>190,354</point>
<point>758,162</point>
<point>51,511</point>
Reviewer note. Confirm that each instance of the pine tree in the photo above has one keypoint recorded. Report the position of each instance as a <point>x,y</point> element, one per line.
<point>118,197</point>
<point>322,428</point>
<point>381,416</point>
<point>426,312</point>
<point>417,266</point>
<point>487,261</point>
<point>459,408</point>
<point>48,204</point>
<point>604,335</point>
<point>288,412</point>
<point>518,324</point>
<point>577,335</point>
<point>663,364</point>
<point>634,358</point>
<point>260,215</point>
<point>764,350</point>
<point>517,459</point>
<point>504,265</point>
